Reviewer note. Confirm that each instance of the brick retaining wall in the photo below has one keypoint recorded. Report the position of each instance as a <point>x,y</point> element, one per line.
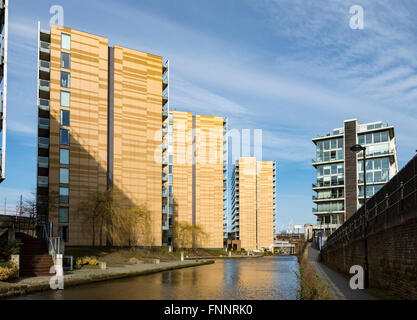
<point>392,237</point>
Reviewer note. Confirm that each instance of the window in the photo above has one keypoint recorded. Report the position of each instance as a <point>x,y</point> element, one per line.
<point>65,60</point>
<point>64,175</point>
<point>170,169</point>
<point>63,232</point>
<point>65,99</point>
<point>65,79</point>
<point>361,139</point>
<point>65,41</point>
<point>64,137</point>
<point>384,136</point>
<point>63,215</point>
<point>170,179</point>
<point>65,118</point>
<point>64,195</point>
<point>368,138</point>
<point>170,189</point>
<point>64,156</point>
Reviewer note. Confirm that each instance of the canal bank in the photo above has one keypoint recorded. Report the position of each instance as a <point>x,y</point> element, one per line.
<point>84,276</point>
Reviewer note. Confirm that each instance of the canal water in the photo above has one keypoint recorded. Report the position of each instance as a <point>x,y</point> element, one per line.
<point>271,278</point>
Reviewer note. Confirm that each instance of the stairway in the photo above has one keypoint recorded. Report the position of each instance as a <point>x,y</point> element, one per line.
<point>35,259</point>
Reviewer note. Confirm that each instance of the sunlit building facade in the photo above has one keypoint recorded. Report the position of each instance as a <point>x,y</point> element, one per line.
<point>196,177</point>
<point>254,203</point>
<point>101,111</point>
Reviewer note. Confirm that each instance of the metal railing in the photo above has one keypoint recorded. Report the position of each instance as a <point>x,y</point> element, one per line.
<point>399,193</point>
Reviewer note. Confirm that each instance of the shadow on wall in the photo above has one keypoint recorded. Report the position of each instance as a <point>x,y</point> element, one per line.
<point>80,202</point>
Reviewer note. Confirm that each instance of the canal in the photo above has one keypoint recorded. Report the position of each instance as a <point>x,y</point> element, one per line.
<point>271,278</point>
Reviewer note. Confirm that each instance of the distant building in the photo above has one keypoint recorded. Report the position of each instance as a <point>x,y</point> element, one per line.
<point>340,180</point>
<point>308,232</point>
<point>196,176</point>
<point>4,30</point>
<point>298,229</point>
<point>254,202</point>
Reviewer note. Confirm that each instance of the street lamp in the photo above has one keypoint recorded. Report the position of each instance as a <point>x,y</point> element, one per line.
<point>358,148</point>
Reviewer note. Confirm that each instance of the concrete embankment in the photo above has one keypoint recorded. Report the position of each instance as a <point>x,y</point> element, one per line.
<point>26,286</point>
<point>223,257</point>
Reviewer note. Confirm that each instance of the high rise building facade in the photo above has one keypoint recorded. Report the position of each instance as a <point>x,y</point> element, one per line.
<point>254,202</point>
<point>101,111</point>
<point>196,178</point>
<point>4,29</point>
<point>340,173</point>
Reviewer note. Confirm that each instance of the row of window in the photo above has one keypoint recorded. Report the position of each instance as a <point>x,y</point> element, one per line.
<point>331,144</point>
<point>328,170</point>
<point>331,206</point>
<point>64,154</point>
<point>375,137</point>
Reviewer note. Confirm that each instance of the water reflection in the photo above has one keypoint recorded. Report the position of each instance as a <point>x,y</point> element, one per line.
<point>272,278</point>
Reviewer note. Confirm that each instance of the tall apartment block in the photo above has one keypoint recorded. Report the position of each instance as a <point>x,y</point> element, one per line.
<point>100,110</point>
<point>4,23</point>
<point>340,173</point>
<point>195,187</point>
<point>254,202</point>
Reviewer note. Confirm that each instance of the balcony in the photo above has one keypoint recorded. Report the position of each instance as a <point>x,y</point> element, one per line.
<point>43,104</point>
<point>164,131</point>
<point>44,89</point>
<point>164,162</point>
<point>165,65</point>
<point>164,146</point>
<point>164,210</point>
<point>45,50</point>
<point>43,143</point>
<point>164,177</point>
<point>164,83</point>
<point>164,193</point>
<point>165,225</point>
<point>164,98</point>
<point>164,115</point>
<point>44,69</point>
<point>43,162</point>
<point>43,124</point>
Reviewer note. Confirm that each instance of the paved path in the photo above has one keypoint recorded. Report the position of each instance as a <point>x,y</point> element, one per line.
<point>25,286</point>
<point>338,285</point>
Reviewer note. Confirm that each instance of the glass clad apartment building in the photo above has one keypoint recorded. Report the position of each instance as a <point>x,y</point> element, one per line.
<point>339,189</point>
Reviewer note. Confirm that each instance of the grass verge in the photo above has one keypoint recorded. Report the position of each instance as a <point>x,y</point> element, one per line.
<point>311,286</point>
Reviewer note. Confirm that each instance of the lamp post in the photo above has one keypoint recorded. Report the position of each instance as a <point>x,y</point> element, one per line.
<point>358,148</point>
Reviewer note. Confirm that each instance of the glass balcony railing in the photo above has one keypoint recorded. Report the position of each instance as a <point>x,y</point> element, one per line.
<point>44,65</point>
<point>44,104</point>
<point>44,85</point>
<point>45,47</point>
<point>164,193</point>
<point>44,123</point>
<point>43,143</point>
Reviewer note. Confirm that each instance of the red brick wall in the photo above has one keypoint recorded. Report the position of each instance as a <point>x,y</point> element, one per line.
<point>392,237</point>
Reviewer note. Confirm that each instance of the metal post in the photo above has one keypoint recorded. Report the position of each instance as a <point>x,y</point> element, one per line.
<point>366,266</point>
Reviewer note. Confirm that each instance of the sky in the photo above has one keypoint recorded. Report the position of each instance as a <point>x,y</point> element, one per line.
<point>293,68</point>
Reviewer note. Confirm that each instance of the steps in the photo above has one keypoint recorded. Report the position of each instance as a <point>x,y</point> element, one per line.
<point>35,259</point>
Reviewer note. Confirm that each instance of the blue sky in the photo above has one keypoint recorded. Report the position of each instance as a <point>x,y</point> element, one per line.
<point>293,68</point>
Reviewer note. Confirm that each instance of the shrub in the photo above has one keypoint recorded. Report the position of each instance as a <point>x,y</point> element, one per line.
<point>8,270</point>
<point>91,261</point>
